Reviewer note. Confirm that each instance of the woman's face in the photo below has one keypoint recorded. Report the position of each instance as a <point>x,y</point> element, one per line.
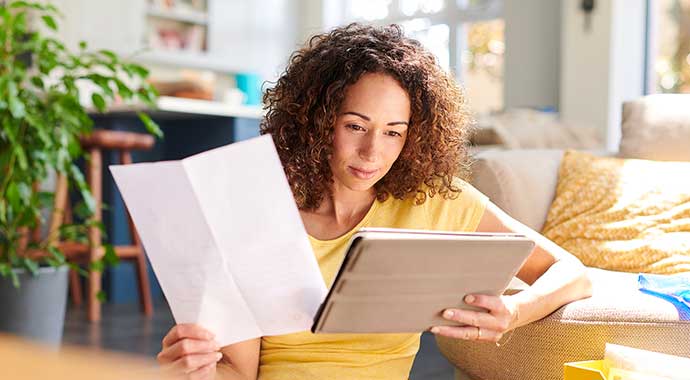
<point>370,131</point>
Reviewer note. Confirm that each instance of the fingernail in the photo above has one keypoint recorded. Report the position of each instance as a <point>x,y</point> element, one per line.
<point>448,314</point>
<point>435,330</point>
<point>219,356</point>
<point>469,298</point>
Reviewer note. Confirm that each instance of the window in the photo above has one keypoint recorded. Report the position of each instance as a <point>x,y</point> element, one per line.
<point>482,65</point>
<point>466,36</point>
<point>670,42</point>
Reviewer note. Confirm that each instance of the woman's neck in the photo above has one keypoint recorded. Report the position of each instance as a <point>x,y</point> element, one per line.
<point>345,204</point>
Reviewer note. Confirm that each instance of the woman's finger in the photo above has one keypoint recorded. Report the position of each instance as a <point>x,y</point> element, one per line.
<point>190,363</point>
<point>469,317</point>
<point>186,330</point>
<point>205,372</point>
<point>187,347</point>
<point>467,333</point>
<point>490,303</point>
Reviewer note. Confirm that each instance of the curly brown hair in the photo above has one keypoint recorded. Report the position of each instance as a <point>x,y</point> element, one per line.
<point>304,103</point>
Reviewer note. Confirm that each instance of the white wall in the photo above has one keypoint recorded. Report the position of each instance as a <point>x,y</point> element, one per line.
<point>603,66</point>
<point>255,34</point>
<point>103,24</point>
<point>532,57</point>
<point>312,17</point>
<point>244,35</point>
<point>627,58</point>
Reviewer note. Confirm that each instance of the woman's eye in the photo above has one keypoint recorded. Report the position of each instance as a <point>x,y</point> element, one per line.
<point>355,127</point>
<point>394,134</point>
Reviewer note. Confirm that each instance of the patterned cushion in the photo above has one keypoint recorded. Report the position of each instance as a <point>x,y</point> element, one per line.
<point>625,215</point>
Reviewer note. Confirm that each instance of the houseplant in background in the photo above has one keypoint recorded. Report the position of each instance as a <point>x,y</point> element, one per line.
<point>41,120</point>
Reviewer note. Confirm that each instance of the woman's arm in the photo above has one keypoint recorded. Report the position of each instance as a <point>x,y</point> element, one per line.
<point>556,278</point>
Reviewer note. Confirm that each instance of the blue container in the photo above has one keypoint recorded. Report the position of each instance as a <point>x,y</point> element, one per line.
<point>250,84</point>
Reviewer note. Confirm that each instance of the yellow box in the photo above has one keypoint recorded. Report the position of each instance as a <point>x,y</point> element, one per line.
<point>588,370</point>
<point>594,370</point>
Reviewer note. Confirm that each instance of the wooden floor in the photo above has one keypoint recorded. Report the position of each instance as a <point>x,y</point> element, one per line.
<point>123,328</point>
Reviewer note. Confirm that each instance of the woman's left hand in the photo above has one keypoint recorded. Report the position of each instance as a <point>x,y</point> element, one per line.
<point>490,325</point>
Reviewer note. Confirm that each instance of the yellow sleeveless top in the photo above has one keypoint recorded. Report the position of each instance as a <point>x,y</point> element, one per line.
<point>305,355</point>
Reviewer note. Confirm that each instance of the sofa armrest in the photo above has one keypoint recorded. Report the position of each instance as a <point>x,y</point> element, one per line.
<point>616,313</point>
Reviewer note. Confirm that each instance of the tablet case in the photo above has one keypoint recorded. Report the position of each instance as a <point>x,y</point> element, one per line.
<point>400,281</point>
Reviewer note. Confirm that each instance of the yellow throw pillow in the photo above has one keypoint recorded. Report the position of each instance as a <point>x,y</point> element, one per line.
<point>624,215</point>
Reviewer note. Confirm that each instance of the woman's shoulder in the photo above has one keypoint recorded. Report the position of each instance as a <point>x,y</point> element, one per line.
<point>462,193</point>
<point>456,210</point>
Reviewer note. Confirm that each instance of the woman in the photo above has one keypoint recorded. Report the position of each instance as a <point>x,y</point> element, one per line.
<point>371,132</point>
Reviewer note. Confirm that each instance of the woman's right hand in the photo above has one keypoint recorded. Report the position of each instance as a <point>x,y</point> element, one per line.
<point>190,352</point>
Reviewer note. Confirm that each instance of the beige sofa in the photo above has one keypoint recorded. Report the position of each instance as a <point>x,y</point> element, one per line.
<point>523,182</point>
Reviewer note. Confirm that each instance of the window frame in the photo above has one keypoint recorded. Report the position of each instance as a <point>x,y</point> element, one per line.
<point>651,50</point>
<point>452,15</point>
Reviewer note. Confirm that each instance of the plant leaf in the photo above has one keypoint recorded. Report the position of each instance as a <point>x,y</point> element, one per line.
<point>17,147</point>
<point>83,188</point>
<point>110,258</point>
<point>98,101</point>
<point>37,81</point>
<point>46,198</point>
<point>112,56</point>
<point>24,191</point>
<point>150,125</point>
<point>81,211</point>
<point>78,269</point>
<point>21,4</point>
<point>97,266</point>
<point>17,108</point>
<point>5,269</point>
<point>50,22</point>
<point>141,71</point>
<point>31,265</point>
<point>3,211</point>
<point>13,196</point>
<point>15,279</point>
<point>123,89</point>
<point>148,95</point>
<point>57,256</point>
<point>101,296</point>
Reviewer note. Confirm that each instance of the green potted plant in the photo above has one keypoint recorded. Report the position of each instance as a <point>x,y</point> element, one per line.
<point>41,120</point>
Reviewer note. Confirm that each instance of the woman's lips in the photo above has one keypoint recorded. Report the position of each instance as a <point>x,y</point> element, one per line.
<point>362,173</point>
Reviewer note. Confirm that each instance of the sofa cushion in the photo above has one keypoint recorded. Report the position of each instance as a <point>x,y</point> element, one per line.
<point>657,127</point>
<point>626,215</point>
<point>521,182</point>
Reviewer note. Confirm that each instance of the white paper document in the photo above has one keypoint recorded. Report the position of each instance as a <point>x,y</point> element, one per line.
<point>225,239</point>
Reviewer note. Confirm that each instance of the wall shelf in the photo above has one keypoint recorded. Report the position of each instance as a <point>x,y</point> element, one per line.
<point>192,17</point>
<point>192,60</point>
<point>171,104</point>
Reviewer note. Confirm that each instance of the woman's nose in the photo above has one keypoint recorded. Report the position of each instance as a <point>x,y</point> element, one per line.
<point>369,148</point>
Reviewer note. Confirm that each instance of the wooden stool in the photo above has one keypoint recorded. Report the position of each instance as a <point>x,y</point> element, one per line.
<point>94,144</point>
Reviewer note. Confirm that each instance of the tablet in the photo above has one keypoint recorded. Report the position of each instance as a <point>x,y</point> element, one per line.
<point>400,281</point>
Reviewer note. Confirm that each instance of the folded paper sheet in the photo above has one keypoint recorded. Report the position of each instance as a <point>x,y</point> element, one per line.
<point>225,240</point>
<point>642,364</point>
